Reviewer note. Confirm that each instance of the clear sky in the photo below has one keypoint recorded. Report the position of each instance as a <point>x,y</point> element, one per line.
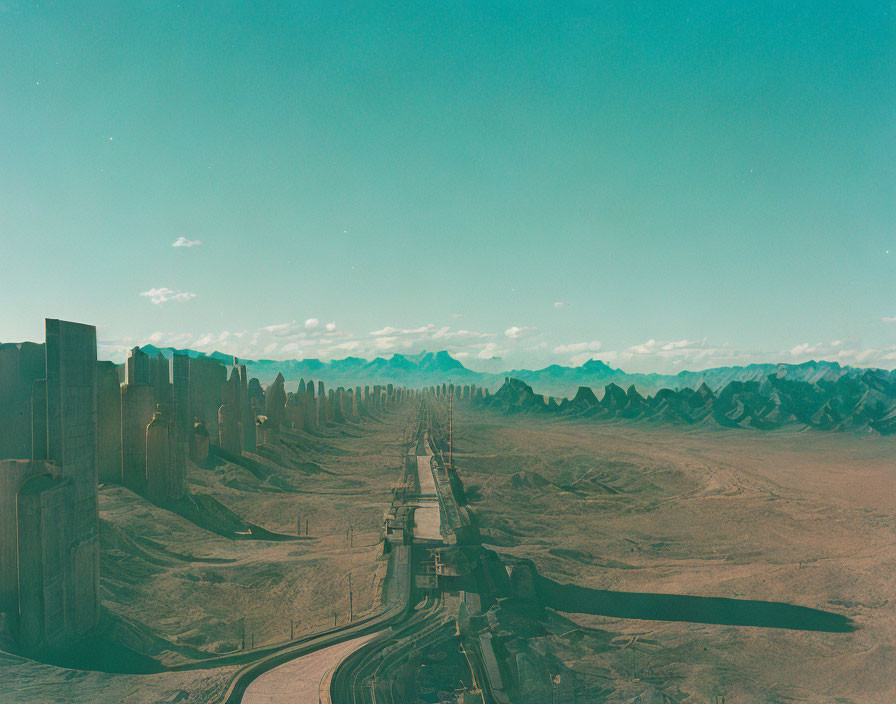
<point>660,185</point>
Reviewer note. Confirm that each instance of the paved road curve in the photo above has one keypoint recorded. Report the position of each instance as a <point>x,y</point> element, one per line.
<point>304,680</point>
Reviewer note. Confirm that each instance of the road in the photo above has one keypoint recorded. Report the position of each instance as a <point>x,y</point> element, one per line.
<point>306,679</point>
<point>305,676</point>
<point>427,516</point>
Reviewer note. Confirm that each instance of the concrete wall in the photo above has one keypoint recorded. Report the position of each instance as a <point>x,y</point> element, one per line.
<point>13,473</point>
<point>71,444</point>
<point>20,365</point>
<point>108,422</point>
<point>137,407</point>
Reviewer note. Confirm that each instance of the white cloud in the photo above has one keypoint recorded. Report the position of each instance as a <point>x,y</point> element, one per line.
<point>889,319</point>
<point>385,342</point>
<point>163,295</point>
<point>312,323</point>
<point>559,304</point>
<point>577,347</point>
<point>804,348</point>
<point>331,326</point>
<point>645,348</point>
<point>488,351</point>
<point>516,332</point>
<point>679,345</point>
<point>184,242</point>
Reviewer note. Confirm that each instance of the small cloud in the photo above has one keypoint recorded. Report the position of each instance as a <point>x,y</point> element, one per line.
<point>578,347</point>
<point>184,242</point>
<point>280,327</point>
<point>489,351</point>
<point>889,319</point>
<point>312,323</point>
<point>331,326</point>
<point>516,332</point>
<point>163,295</point>
<point>559,304</point>
<point>644,348</point>
<point>679,345</point>
<point>270,348</point>
<point>457,315</point>
<point>804,348</point>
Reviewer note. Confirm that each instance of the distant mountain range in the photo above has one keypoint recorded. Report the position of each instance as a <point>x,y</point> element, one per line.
<point>429,368</point>
<point>864,402</point>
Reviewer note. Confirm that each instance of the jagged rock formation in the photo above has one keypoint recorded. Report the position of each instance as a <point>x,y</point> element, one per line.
<point>865,402</point>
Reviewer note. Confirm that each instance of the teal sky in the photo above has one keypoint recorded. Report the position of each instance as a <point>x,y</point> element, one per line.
<point>660,185</point>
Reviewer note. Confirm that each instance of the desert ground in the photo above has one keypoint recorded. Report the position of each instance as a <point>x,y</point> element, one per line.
<point>807,519</point>
<point>177,594</point>
<point>802,518</point>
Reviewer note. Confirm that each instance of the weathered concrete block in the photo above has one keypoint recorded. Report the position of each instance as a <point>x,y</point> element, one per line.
<point>108,423</point>
<point>21,364</point>
<point>137,407</point>
<point>229,439</point>
<point>199,443</point>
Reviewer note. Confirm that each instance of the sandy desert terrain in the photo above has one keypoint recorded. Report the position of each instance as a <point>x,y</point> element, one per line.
<point>802,518</point>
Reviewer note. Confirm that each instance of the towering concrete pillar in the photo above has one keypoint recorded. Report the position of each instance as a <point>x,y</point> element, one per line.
<point>247,413</point>
<point>182,425</point>
<point>13,474</point>
<point>331,403</point>
<point>160,459</point>
<point>320,404</point>
<point>47,580</point>
<point>309,407</point>
<point>229,434</point>
<point>71,444</point>
<point>108,423</point>
<point>256,396</point>
<point>199,442</point>
<point>207,379</point>
<point>138,403</point>
<point>337,399</point>
<point>275,402</point>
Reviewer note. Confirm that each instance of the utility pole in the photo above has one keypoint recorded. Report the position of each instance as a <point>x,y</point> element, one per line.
<point>292,625</point>
<point>307,524</point>
<point>299,524</point>
<point>351,612</point>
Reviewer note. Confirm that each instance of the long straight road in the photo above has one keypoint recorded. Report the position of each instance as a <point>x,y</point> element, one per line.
<point>308,678</point>
<point>427,516</point>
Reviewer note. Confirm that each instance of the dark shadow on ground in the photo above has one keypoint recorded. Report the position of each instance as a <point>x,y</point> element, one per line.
<point>101,655</point>
<point>570,598</point>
